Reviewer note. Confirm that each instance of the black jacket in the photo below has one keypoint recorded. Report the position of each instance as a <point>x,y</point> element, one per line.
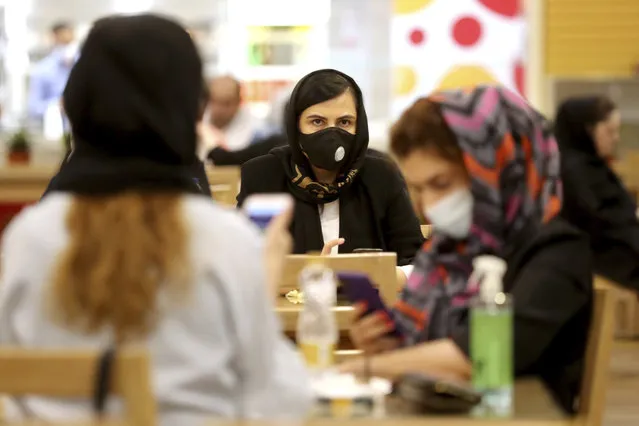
<point>222,157</point>
<point>550,280</point>
<point>595,200</point>
<point>375,211</point>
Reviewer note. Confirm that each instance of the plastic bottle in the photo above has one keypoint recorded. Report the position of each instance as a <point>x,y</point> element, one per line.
<point>317,331</point>
<point>491,338</point>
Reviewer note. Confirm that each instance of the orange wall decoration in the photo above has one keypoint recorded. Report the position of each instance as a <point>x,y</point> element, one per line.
<point>444,44</point>
<point>585,38</point>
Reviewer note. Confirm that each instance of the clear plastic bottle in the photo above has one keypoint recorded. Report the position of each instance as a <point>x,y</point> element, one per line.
<point>491,338</point>
<point>317,332</point>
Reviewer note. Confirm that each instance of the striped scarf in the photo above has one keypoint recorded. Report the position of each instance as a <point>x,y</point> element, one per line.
<point>513,162</point>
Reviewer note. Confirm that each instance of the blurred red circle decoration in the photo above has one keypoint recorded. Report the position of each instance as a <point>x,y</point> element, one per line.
<point>467,31</point>
<point>507,8</point>
<point>519,75</point>
<point>417,36</point>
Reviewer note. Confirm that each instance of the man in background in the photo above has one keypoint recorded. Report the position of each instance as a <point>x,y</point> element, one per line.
<point>238,126</point>
<point>50,75</point>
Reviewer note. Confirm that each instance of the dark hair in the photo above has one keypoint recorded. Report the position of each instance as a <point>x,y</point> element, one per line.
<point>60,26</point>
<point>600,111</point>
<point>422,126</point>
<point>320,87</point>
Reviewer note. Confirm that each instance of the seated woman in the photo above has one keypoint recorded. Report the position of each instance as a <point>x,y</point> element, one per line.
<point>346,197</point>
<point>595,200</point>
<point>126,250</point>
<point>486,170</point>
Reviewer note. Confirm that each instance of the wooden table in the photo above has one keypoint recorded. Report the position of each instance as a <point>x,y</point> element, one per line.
<point>533,407</point>
<point>288,313</point>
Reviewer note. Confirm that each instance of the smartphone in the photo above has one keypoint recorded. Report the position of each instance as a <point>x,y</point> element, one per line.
<point>357,288</point>
<point>367,250</point>
<point>262,208</point>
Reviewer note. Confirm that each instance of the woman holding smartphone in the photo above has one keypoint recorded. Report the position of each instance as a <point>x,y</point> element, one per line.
<point>125,250</point>
<point>346,196</point>
<point>485,168</point>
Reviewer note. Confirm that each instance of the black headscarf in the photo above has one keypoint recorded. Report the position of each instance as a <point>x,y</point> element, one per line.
<point>132,99</point>
<point>589,182</point>
<point>302,183</point>
<point>572,124</point>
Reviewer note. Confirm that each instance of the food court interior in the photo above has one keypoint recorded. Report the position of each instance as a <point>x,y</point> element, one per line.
<point>254,52</point>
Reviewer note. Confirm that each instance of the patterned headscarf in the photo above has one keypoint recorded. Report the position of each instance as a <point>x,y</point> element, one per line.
<point>513,161</point>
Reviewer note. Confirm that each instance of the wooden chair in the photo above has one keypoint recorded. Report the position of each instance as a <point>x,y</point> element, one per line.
<point>626,309</point>
<point>626,314</point>
<point>380,267</point>
<point>595,379</point>
<point>24,184</point>
<point>427,230</point>
<point>224,182</point>
<point>71,373</point>
<point>343,355</point>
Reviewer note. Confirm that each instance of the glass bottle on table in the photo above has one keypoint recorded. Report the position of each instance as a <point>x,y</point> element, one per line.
<point>317,332</point>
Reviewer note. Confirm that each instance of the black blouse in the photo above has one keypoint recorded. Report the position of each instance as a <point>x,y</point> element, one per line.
<point>550,280</point>
<point>375,211</point>
<point>222,157</point>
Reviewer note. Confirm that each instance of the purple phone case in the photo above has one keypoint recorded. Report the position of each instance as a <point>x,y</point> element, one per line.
<point>359,288</point>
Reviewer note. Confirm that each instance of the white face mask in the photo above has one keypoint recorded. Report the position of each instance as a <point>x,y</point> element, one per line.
<point>453,214</point>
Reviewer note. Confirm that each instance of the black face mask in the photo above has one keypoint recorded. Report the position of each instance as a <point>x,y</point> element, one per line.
<point>327,149</point>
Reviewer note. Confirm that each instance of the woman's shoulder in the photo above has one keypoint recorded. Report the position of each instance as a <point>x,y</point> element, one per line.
<point>562,247</point>
<point>263,174</point>
<point>213,220</point>
<point>270,163</point>
<point>39,220</point>
<point>377,162</point>
<point>379,172</point>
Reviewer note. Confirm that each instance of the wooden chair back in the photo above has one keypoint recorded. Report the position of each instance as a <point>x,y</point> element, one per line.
<point>224,182</point>
<point>380,267</point>
<point>595,379</point>
<point>71,373</point>
<point>24,184</point>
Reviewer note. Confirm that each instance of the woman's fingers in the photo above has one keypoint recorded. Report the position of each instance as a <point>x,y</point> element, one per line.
<point>328,246</point>
<point>367,332</point>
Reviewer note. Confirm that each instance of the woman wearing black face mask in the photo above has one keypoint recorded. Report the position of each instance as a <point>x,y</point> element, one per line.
<point>347,197</point>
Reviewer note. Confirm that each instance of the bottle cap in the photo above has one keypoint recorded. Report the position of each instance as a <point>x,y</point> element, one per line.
<point>492,270</point>
<point>489,263</point>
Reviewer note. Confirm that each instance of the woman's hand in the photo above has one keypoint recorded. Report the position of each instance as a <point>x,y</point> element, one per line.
<point>328,246</point>
<point>370,333</point>
<point>278,244</point>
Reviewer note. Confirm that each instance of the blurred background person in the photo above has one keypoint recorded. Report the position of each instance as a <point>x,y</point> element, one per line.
<point>51,73</point>
<point>212,141</point>
<point>226,113</point>
<point>346,197</point>
<point>595,200</point>
<point>126,250</point>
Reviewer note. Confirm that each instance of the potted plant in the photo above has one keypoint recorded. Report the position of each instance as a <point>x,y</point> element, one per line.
<point>19,148</point>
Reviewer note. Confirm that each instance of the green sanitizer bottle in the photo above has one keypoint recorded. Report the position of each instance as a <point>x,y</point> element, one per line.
<point>491,338</point>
